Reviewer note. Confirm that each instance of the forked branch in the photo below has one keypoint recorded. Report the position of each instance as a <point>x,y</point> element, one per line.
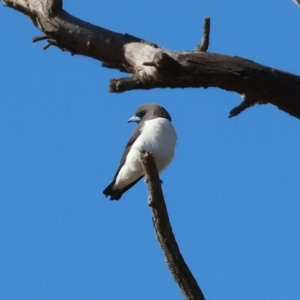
<point>155,67</point>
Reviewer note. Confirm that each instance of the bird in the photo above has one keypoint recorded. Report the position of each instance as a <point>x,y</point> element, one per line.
<point>156,134</point>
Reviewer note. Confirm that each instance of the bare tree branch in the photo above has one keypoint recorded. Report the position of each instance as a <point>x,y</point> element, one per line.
<point>40,38</point>
<point>155,67</point>
<point>203,46</point>
<point>164,233</point>
<point>240,108</point>
<point>297,2</point>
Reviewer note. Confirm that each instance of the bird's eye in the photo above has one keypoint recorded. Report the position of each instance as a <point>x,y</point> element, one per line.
<point>142,113</point>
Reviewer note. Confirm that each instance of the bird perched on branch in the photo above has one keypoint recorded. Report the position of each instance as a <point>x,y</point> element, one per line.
<point>155,133</point>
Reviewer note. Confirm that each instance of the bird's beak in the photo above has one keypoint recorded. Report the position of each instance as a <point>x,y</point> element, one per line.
<point>134,119</point>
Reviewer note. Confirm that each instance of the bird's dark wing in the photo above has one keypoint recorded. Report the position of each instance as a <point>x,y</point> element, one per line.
<point>117,194</point>
<point>136,133</point>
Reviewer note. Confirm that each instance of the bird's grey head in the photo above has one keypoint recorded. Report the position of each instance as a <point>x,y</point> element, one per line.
<point>149,111</point>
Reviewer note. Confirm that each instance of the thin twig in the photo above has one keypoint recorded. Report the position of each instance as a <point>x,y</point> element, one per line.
<point>164,233</point>
<point>241,107</point>
<point>203,46</point>
<point>53,43</point>
<point>40,38</point>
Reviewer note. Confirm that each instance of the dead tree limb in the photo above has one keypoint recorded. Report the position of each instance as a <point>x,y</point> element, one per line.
<point>155,67</point>
<point>203,46</point>
<point>164,233</point>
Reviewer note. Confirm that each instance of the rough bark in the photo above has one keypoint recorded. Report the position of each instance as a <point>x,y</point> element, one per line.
<point>164,233</point>
<point>153,66</point>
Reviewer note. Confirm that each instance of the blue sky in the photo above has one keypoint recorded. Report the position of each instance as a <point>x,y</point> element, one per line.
<point>232,190</point>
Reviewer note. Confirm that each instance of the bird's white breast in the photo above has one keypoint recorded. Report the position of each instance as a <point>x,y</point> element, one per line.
<point>159,137</point>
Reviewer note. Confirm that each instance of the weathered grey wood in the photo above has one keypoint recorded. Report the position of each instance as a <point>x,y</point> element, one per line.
<point>151,64</point>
